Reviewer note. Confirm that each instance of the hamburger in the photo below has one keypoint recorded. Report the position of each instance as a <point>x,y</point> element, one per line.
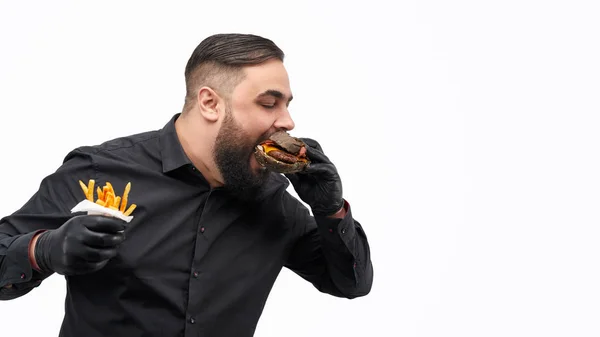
<point>282,153</point>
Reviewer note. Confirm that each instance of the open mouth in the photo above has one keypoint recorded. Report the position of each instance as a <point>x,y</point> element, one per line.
<point>282,153</point>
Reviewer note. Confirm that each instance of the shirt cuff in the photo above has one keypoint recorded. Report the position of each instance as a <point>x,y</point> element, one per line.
<point>337,230</point>
<point>18,289</point>
<point>16,265</point>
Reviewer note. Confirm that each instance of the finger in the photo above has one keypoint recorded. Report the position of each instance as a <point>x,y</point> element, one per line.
<point>92,254</point>
<point>317,156</point>
<point>105,224</point>
<point>84,267</point>
<point>312,143</point>
<point>102,240</point>
<point>319,168</point>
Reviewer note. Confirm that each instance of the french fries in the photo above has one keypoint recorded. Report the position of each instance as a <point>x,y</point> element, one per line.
<point>107,196</point>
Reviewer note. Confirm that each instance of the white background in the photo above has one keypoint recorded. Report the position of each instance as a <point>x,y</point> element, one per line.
<point>466,134</point>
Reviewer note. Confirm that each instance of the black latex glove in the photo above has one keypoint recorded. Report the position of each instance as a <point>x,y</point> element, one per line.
<point>83,244</point>
<point>319,185</point>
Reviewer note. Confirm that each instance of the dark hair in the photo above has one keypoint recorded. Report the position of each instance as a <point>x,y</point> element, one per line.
<point>218,60</point>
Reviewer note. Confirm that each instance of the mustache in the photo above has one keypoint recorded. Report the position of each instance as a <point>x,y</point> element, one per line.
<point>265,136</point>
<point>262,138</point>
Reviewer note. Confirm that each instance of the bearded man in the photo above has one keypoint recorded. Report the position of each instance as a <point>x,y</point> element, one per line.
<point>212,228</point>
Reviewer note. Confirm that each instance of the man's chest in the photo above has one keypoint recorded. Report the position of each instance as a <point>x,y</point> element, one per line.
<point>201,232</point>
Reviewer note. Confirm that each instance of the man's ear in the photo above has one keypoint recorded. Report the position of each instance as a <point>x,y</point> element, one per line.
<point>208,103</point>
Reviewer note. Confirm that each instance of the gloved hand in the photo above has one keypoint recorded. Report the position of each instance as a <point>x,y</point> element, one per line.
<point>319,185</point>
<point>83,244</point>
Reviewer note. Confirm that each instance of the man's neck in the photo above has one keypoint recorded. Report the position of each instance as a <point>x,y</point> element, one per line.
<point>197,147</point>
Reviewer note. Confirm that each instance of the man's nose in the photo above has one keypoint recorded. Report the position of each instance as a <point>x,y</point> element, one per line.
<point>285,121</point>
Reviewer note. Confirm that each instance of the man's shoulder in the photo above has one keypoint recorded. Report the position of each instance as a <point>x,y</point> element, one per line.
<point>122,146</point>
<point>125,142</point>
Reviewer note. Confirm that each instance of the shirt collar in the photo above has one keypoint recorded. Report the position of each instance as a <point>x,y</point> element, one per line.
<point>173,157</point>
<point>171,151</point>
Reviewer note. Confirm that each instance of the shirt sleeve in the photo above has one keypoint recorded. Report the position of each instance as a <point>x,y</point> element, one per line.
<point>48,208</point>
<point>332,254</point>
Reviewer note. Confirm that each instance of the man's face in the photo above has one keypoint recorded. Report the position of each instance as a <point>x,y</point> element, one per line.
<point>258,107</point>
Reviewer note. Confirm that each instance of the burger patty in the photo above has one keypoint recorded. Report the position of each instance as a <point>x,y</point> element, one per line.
<point>283,156</point>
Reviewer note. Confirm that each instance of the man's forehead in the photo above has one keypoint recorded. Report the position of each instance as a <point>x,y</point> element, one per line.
<point>269,79</point>
<point>276,94</point>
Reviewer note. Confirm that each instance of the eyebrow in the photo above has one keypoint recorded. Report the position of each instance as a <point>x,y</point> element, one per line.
<point>275,93</point>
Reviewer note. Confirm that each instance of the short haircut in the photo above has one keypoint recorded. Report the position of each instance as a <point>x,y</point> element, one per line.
<point>218,60</point>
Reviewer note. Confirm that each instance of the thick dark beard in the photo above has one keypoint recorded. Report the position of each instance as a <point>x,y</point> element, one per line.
<point>232,151</point>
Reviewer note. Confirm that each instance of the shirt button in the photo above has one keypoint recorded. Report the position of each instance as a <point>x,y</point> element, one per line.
<point>22,275</point>
<point>196,274</point>
<point>343,230</point>
<point>202,229</point>
<point>192,320</point>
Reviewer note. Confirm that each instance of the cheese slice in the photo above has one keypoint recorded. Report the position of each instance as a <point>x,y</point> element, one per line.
<point>269,148</point>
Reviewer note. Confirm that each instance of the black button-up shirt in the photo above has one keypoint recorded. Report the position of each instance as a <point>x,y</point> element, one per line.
<point>195,262</point>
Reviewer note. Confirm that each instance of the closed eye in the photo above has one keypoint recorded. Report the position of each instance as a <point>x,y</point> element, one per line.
<point>269,95</point>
